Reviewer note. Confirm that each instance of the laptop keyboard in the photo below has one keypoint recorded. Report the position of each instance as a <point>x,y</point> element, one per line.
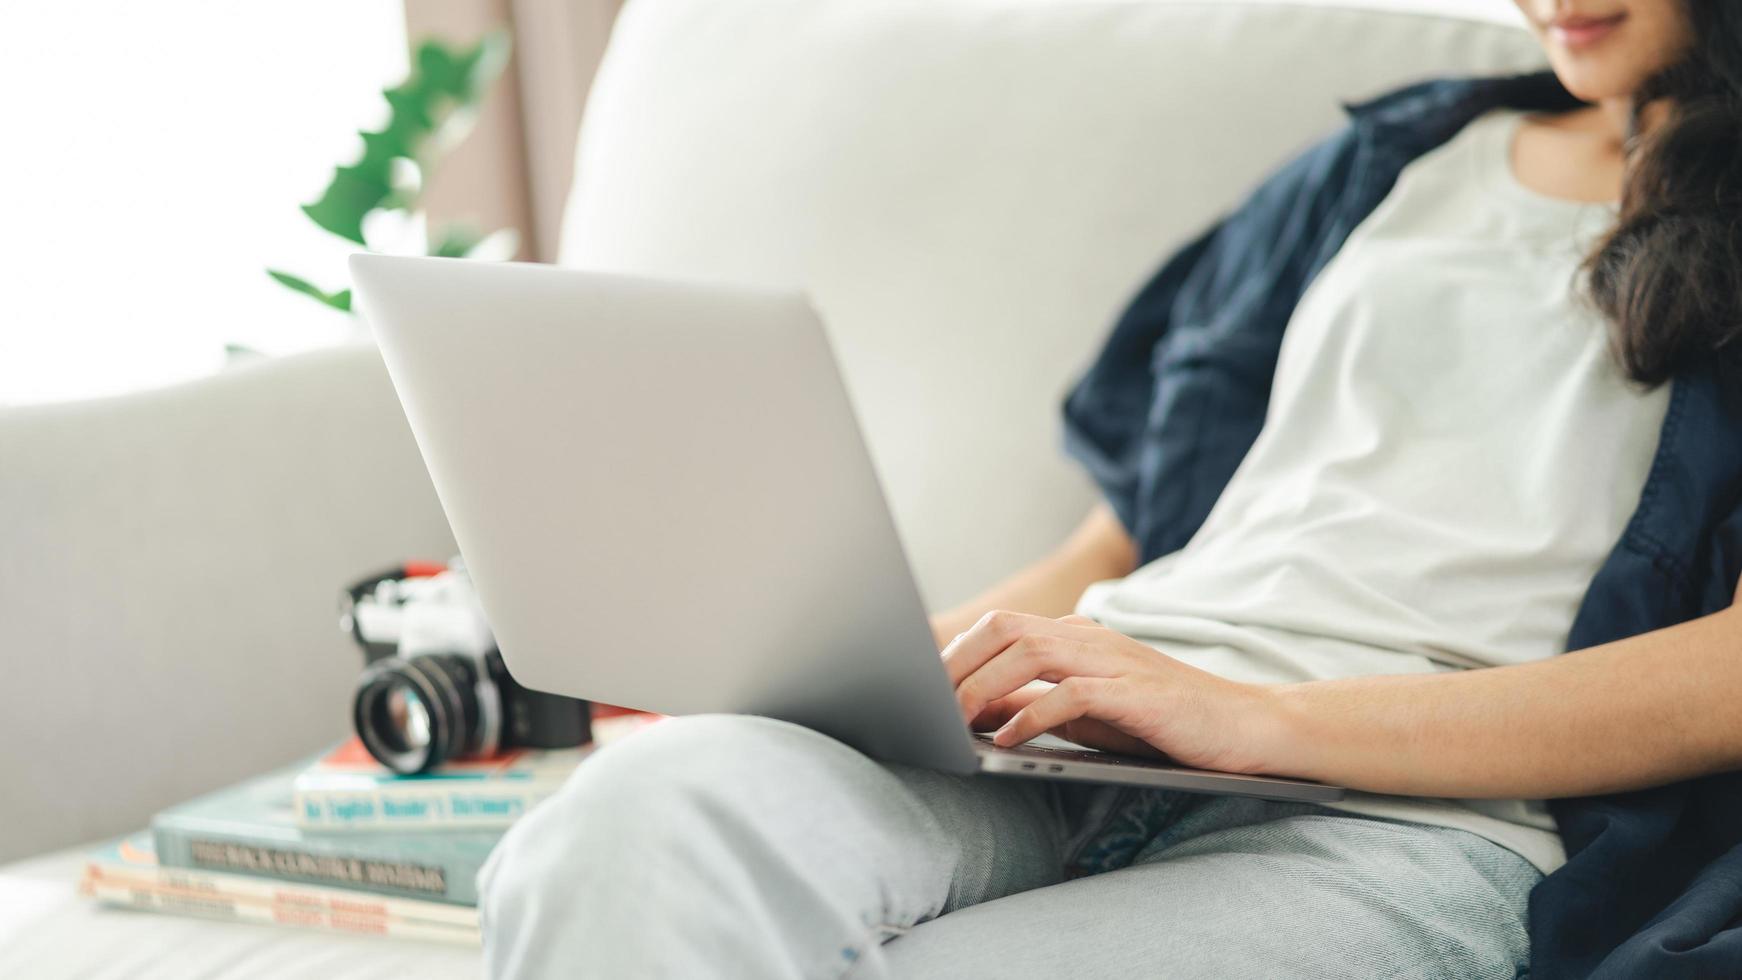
<point>1058,753</point>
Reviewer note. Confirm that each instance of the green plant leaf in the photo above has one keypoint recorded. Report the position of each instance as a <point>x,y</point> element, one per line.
<point>353,193</point>
<point>340,300</point>
<point>443,89</point>
<point>443,82</point>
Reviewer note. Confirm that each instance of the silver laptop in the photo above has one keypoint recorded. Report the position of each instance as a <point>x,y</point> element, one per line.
<point>664,501</point>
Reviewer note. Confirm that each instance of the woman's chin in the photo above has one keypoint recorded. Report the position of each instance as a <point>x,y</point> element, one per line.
<point>1590,80</point>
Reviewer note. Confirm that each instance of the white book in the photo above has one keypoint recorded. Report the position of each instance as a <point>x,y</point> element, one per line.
<point>176,902</point>
<point>127,873</point>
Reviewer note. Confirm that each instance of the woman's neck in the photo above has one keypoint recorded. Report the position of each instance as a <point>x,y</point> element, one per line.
<point>1617,114</point>
<point>1576,156</point>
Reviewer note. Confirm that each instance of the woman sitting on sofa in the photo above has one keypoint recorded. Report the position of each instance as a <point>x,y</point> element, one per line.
<point>1465,451</point>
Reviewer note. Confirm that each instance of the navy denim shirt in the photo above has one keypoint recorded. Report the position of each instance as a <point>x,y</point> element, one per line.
<point>1653,882</point>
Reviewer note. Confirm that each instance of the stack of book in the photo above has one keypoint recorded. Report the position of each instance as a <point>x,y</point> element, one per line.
<point>340,843</point>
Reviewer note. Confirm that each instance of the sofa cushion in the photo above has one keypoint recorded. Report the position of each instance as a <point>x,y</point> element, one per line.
<point>970,190</point>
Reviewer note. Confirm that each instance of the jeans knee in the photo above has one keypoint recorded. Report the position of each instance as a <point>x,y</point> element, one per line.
<point>680,763</point>
<point>662,790</point>
<point>727,827</point>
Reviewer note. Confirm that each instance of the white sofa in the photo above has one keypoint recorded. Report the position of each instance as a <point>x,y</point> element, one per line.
<point>969,188</point>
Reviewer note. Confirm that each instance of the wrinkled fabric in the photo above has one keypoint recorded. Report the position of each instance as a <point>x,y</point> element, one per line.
<point>732,846</point>
<point>1172,403</point>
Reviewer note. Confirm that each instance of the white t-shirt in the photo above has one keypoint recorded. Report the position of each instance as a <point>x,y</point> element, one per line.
<point>1449,454</point>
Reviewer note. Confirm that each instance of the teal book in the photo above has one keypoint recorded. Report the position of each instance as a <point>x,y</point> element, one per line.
<point>347,790</point>
<point>251,829</point>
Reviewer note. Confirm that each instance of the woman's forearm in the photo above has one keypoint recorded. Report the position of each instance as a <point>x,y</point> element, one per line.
<point>1653,709</point>
<point>1098,549</point>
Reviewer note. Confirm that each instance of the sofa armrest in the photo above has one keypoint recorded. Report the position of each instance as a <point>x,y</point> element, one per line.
<point>169,566</point>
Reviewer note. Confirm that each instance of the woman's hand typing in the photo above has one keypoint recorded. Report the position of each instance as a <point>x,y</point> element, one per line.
<point>1109,692</point>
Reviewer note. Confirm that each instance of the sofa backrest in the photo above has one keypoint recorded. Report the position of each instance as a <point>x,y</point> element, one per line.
<point>969,190</point>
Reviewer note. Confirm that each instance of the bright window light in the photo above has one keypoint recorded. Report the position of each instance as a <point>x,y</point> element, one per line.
<point>157,156</point>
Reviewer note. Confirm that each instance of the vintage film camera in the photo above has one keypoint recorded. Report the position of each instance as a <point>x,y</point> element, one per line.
<point>433,686</point>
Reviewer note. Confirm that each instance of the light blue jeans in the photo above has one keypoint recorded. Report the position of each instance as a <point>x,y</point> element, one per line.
<point>728,846</point>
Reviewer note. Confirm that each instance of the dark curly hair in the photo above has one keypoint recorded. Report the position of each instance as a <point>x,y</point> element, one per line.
<point>1669,276</point>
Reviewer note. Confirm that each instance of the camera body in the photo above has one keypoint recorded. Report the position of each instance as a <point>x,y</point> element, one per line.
<point>434,687</point>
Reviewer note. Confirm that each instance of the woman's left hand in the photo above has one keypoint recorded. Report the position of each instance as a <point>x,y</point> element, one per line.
<point>1110,692</point>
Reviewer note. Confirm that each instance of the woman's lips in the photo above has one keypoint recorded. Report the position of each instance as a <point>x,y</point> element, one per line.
<point>1582,32</point>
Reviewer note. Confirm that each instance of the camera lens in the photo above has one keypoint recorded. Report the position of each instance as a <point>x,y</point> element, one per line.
<point>415,713</point>
<point>407,722</point>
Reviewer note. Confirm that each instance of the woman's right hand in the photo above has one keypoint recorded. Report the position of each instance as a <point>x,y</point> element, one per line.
<point>944,630</point>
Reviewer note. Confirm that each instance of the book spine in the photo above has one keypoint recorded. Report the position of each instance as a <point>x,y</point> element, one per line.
<point>418,804</point>
<point>212,906</point>
<point>264,891</point>
<point>414,866</point>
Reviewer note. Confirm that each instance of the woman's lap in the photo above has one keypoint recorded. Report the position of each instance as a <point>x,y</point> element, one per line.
<point>735,846</point>
<point>746,847</point>
<point>1317,894</point>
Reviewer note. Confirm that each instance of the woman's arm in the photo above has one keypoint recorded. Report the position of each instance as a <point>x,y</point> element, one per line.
<point>1653,709</point>
<point>1656,708</point>
<point>1098,549</point>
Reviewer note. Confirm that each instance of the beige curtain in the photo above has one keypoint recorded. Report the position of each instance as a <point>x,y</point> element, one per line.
<point>514,170</point>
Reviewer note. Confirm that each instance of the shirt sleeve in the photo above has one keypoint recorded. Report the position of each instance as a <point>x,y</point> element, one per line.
<point>1260,251</point>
